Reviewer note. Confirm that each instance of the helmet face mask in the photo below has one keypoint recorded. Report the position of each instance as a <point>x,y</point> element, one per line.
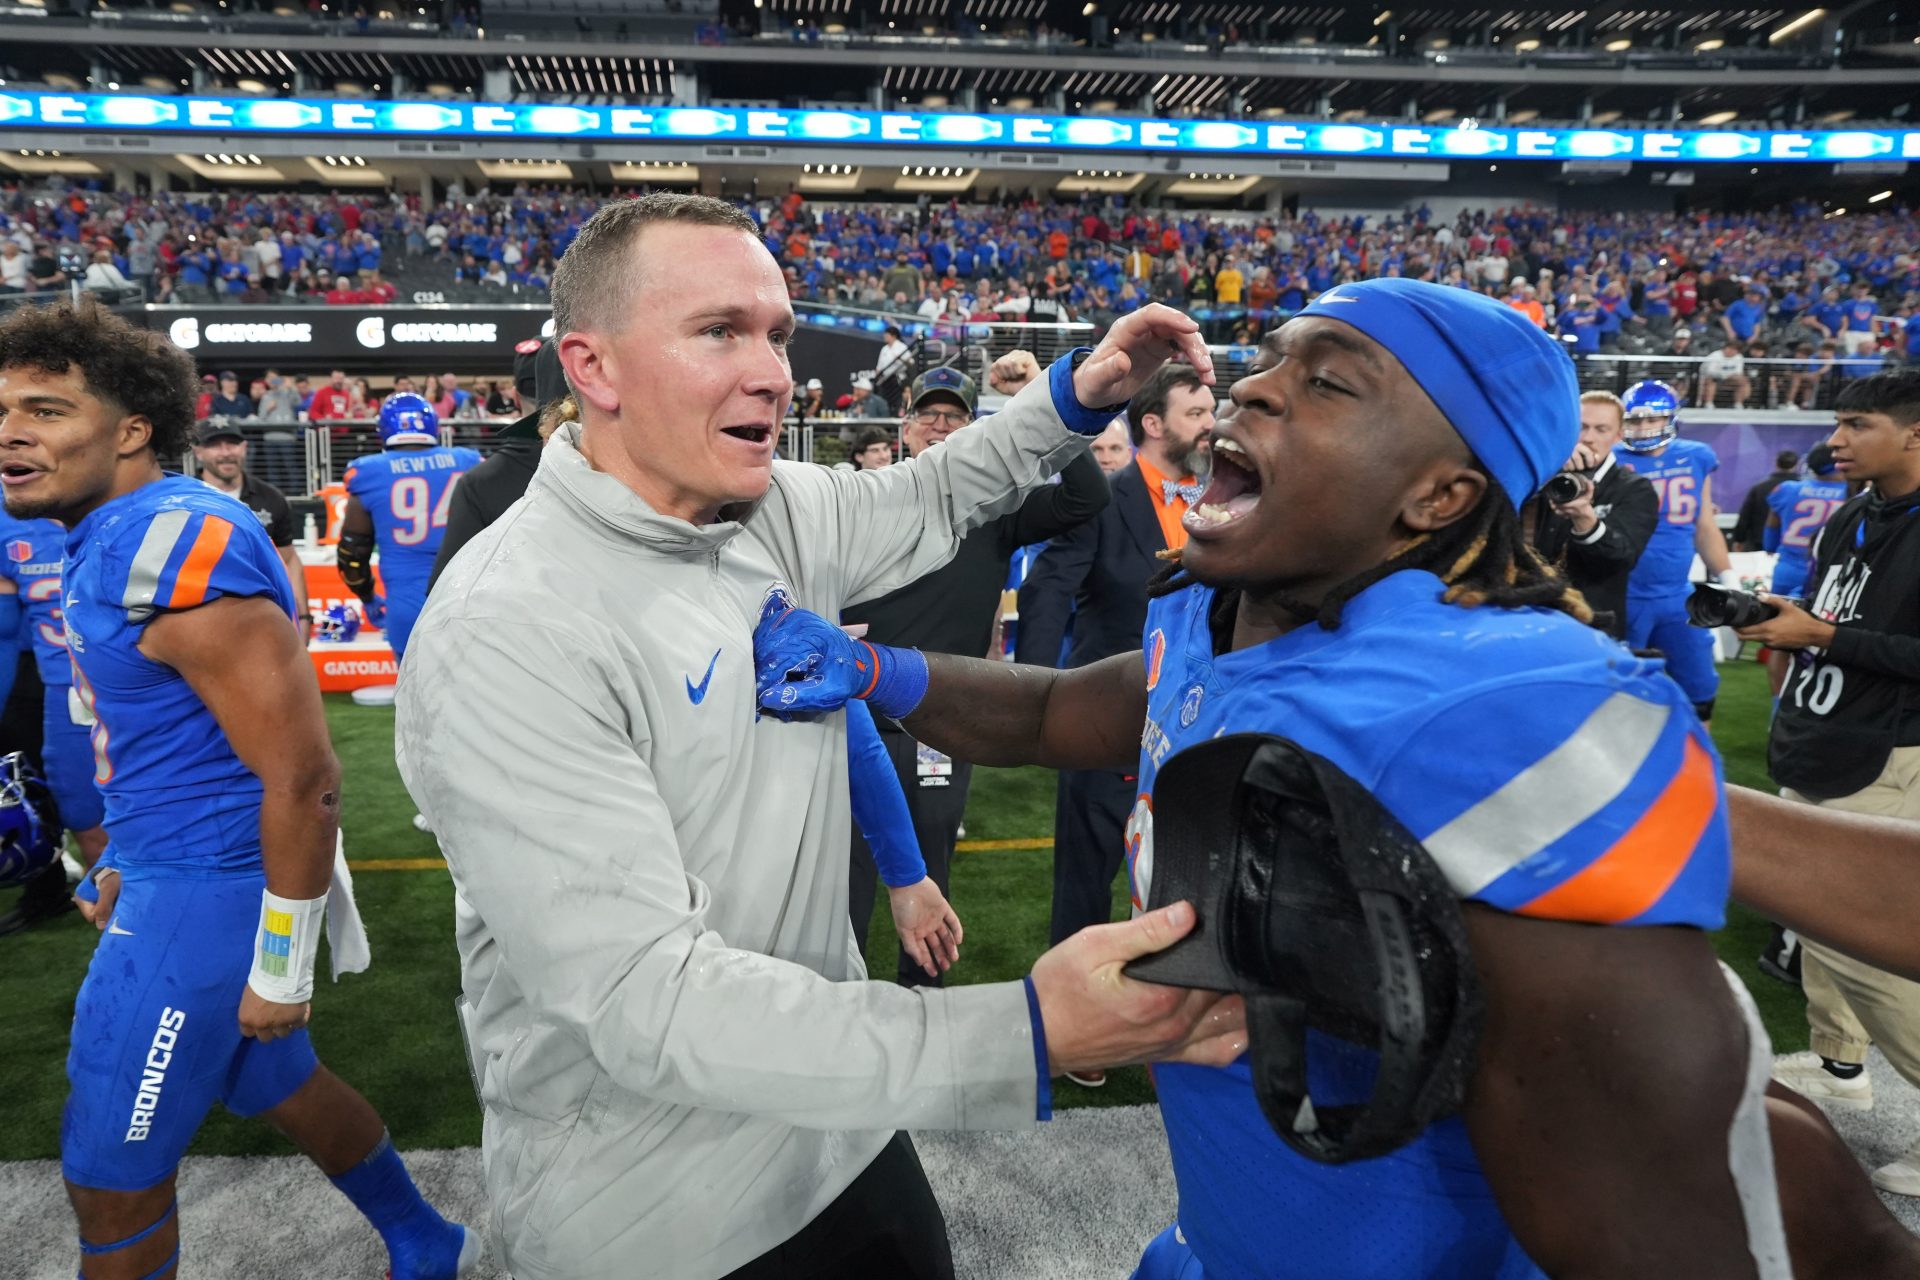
<point>1651,417</point>
<point>29,831</point>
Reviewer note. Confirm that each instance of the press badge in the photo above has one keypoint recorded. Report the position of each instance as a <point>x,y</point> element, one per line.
<point>933,768</point>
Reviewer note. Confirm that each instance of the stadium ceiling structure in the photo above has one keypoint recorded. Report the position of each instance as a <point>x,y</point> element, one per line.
<point>1701,63</point>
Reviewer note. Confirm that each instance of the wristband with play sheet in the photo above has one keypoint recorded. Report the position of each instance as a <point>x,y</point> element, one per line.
<point>285,947</point>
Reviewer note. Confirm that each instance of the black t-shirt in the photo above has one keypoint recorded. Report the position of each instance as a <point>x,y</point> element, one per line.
<point>1844,709</point>
<point>269,507</point>
<point>484,494</point>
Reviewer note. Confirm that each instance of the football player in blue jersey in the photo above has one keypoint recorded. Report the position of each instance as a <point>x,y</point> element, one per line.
<point>30,569</point>
<point>1799,510</point>
<point>1399,625</point>
<point>1657,590</point>
<point>397,501</point>
<point>210,749</point>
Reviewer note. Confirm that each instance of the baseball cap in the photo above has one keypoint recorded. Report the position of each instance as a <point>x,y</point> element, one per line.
<point>1324,912</point>
<point>947,381</point>
<point>863,383</point>
<point>219,429</point>
<point>814,384</point>
<point>1498,378</point>
<point>538,377</point>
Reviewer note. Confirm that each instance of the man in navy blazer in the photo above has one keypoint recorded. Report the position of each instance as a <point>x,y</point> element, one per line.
<point>1094,578</point>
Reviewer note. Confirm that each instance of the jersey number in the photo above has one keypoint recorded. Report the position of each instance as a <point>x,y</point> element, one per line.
<point>1825,681</point>
<point>102,767</point>
<point>1810,515</point>
<point>410,499</point>
<point>49,589</point>
<point>1678,499</point>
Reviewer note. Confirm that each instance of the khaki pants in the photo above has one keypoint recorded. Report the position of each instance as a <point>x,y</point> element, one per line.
<point>1851,1005</point>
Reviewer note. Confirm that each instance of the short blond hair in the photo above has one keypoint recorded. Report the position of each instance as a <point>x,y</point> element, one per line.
<point>594,283</point>
<point>1606,398</point>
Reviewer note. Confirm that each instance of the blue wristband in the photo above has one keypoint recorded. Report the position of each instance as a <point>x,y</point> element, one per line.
<point>899,681</point>
<point>1043,1097</point>
<point>1079,418</point>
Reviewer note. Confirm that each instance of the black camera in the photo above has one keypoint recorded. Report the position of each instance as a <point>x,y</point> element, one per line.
<point>1568,486</point>
<point>1712,605</point>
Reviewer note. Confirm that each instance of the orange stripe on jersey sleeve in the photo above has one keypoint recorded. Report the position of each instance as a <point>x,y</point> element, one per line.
<point>1629,878</point>
<point>190,584</point>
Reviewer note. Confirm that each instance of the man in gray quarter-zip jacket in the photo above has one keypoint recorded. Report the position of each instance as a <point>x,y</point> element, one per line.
<point>683,1072</point>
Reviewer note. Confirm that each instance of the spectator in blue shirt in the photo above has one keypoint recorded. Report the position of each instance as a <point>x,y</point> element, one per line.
<point>1582,322</point>
<point>1742,318</point>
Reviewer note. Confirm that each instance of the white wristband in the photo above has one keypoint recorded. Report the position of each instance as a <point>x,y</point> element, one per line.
<point>285,947</point>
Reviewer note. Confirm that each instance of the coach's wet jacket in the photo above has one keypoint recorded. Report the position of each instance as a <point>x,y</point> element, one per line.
<point>677,1069</point>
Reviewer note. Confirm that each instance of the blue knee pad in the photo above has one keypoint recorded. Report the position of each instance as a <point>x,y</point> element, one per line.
<point>1167,1257</point>
<point>67,750</point>
<point>156,1035</point>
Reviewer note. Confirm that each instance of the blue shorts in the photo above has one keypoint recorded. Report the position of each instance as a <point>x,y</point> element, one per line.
<point>66,749</point>
<point>156,1030</point>
<point>402,613</point>
<point>1661,623</point>
<point>1789,577</point>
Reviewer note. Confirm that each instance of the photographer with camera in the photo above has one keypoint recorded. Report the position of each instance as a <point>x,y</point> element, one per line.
<point>1847,732</point>
<point>1596,517</point>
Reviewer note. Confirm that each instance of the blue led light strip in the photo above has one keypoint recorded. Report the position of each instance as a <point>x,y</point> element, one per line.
<point>337,118</point>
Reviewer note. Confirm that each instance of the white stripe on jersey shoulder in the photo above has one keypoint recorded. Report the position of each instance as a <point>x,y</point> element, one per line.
<point>143,581</point>
<point>1551,796</point>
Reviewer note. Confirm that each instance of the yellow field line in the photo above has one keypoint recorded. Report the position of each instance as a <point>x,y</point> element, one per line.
<point>435,864</point>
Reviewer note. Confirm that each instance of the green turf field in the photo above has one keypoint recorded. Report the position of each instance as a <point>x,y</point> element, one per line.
<point>391,1031</point>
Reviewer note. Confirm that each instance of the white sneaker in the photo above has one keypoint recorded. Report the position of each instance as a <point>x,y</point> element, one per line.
<point>1902,1177</point>
<point>1807,1076</point>
<point>420,823</point>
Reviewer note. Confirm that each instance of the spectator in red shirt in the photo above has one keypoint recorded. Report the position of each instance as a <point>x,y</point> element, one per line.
<point>203,407</point>
<point>1686,294</point>
<point>343,294</point>
<point>333,402</point>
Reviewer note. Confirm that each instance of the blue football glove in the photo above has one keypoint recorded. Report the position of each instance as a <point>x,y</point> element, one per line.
<point>805,664</point>
<point>376,611</point>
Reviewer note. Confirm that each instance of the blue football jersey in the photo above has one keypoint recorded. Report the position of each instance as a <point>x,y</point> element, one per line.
<point>1804,507</point>
<point>176,794</point>
<point>407,492</point>
<point>34,549</point>
<point>1679,475</point>
<point>1547,771</point>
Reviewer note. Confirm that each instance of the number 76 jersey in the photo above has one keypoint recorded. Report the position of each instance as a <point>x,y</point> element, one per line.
<point>408,492</point>
<point>1679,475</point>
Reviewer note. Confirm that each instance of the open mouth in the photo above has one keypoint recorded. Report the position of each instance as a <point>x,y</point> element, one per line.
<point>751,434</point>
<point>1232,491</point>
<point>17,472</point>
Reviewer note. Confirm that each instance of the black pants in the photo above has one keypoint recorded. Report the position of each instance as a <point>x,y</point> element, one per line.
<point>886,1223</point>
<point>937,811</point>
<point>1089,843</point>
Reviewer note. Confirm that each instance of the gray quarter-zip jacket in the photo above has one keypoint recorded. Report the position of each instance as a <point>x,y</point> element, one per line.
<point>681,1064</point>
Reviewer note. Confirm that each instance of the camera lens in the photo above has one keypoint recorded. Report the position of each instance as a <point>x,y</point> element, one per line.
<point>1712,605</point>
<point>1563,488</point>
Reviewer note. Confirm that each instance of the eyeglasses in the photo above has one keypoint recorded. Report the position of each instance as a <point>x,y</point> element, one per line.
<point>953,417</point>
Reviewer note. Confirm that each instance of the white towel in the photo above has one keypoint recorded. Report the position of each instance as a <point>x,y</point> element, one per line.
<point>346,935</point>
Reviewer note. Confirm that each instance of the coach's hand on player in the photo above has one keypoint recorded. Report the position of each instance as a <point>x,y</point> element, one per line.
<point>1137,344</point>
<point>1096,1017</point>
<point>264,1019</point>
<point>1791,628</point>
<point>929,930</point>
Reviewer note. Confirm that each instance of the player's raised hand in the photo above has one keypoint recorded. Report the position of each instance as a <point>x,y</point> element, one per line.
<point>265,1019</point>
<point>1097,1017</point>
<point>1137,345</point>
<point>1013,371</point>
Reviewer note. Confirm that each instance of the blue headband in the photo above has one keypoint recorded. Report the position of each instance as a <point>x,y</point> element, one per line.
<point>1502,383</point>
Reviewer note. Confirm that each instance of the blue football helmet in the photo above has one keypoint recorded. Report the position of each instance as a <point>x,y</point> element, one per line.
<point>408,419</point>
<point>1652,412</point>
<point>29,833</point>
<point>338,625</point>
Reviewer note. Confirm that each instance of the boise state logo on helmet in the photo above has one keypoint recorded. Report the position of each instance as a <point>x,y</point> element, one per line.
<point>1652,416</point>
<point>29,836</point>
<point>338,625</point>
<point>408,419</point>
